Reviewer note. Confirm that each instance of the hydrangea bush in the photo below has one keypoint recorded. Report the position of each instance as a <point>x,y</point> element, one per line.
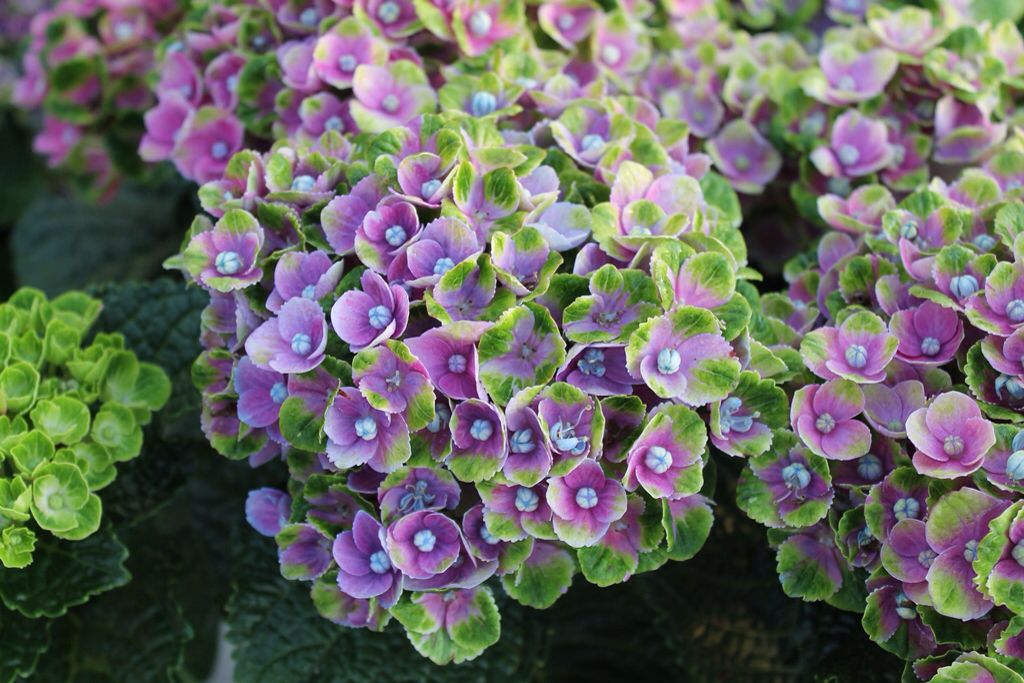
<point>71,409</point>
<point>85,70</point>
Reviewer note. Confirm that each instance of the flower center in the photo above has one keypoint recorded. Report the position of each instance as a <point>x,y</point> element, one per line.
<point>521,441</point>
<point>1015,310</point>
<point>729,421</point>
<point>56,501</point>
<point>869,468</point>
<point>379,562</point>
<point>1018,553</point>
<point>849,155</point>
<point>1015,466</point>
<point>591,141</point>
<point>586,497</point>
<point>971,550</point>
<point>441,417</point>
<point>906,508</point>
<point>388,12</point>
<point>418,497</point>
<point>428,188</point>
<point>366,428</point>
<point>984,242</point>
<point>424,540</point>
<point>796,476</point>
<point>457,363</point>
<point>279,392</point>
<point>908,230</point>
<point>825,423</point>
<point>962,286</point>
<point>566,21</point>
<point>592,363</point>
<point>611,54</point>
<point>526,500</point>
<point>856,356</point>
<point>302,344</point>
<point>309,17</point>
<point>347,62</point>
<point>813,124</point>
<point>395,235</point>
<point>309,292</point>
<point>847,83</point>
<point>563,437</point>
<point>334,123</point>
<point>658,459</point>
<point>228,262</point>
<point>480,23</point>
<point>1011,384</point>
<point>379,317</point>
<point>481,429</point>
<point>904,608</point>
<point>443,265</point>
<point>953,445</point>
<point>303,183</point>
<point>483,103</point>
<point>668,361</point>
<point>926,557</point>
<point>930,346</point>
<point>741,162</point>
<point>390,103</point>
<point>124,30</point>
<point>487,536</point>
<point>219,150</point>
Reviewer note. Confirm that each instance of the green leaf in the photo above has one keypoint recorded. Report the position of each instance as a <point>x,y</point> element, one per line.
<point>22,641</point>
<point>302,428</point>
<point>65,574</point>
<point>544,577</point>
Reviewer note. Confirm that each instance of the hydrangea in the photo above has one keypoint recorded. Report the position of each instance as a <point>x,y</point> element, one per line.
<point>70,411</point>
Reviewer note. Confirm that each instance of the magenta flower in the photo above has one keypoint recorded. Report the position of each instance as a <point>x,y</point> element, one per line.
<point>928,334</point>
<point>390,95</point>
<point>423,544</point>
<point>479,24</point>
<point>797,486</point>
<point>1006,355</point>
<point>951,436</point>
<point>221,76</point>
<point>368,317</point>
<point>903,494</point>
<point>667,458</point>
<point>529,460</point>
<point>207,140</point>
<point>162,125</point>
<point>267,510</point>
<point>307,275</point>
<point>1000,308</point>
<point>364,568</point>
<point>393,380</point>
<point>343,216</point>
<point>964,132</point>
<point>359,434</point>
<point>743,156</point>
<point>443,243</point>
<point>852,75</point>
<point>906,553</point>
<point>449,355</point>
<point>860,213</point>
<point>887,409</point>
<point>858,350</point>
<point>858,146</point>
<point>823,416</point>
<point>597,369</point>
<point>585,503</point>
<point>567,23</point>
<point>292,342</point>
<point>346,46</point>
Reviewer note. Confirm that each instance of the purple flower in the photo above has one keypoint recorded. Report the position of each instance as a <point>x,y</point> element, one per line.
<point>823,416</point>
<point>443,243</point>
<point>358,434</point>
<point>307,275</point>
<point>1000,308</point>
<point>574,425</point>
<point>906,553</point>
<point>858,350</point>
<point>482,543</point>
<point>207,140</point>
<point>597,369</point>
<point>162,125</point>
<point>743,156</point>
<point>423,544</point>
<point>368,317</point>
<point>852,75</point>
<point>860,213</point>
<point>903,494</point>
<point>479,24</point>
<point>260,393</point>
<point>929,334</point>
<point>667,458</point>
<point>303,551</point>
<point>449,355</point>
<point>585,503</point>
<point>682,355</point>
<point>956,525</point>
<point>797,486</point>
<point>425,179</point>
<point>364,568</point>
<point>1006,355</point>
<point>479,444</point>
<point>964,132</point>
<point>343,216</point>
<point>225,258</point>
<point>292,342</point>
<point>887,409</point>
<point>390,95</point>
<point>267,510</point>
<point>951,436</point>
<point>384,232</point>
<point>858,146</point>
<point>416,488</point>
<point>513,512</point>
<point>339,51</point>
<point>393,380</point>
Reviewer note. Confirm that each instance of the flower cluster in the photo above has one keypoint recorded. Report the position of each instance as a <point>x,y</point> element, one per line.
<point>86,67</point>
<point>477,359</point>
<point>68,414</point>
